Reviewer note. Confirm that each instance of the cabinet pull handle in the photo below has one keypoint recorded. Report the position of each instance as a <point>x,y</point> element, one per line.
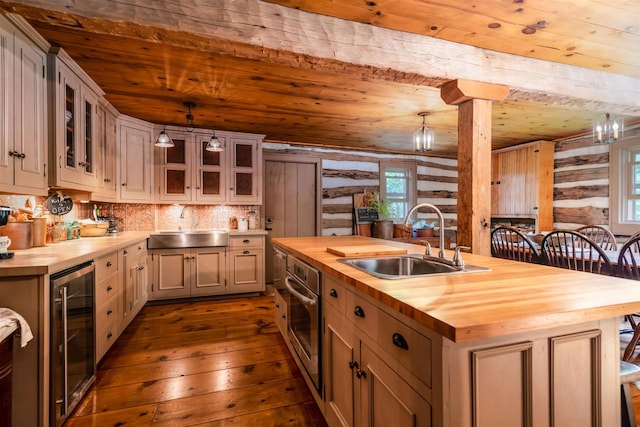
<point>399,341</point>
<point>246,252</point>
<point>246,241</point>
<point>109,288</point>
<point>284,317</point>
<point>108,263</point>
<point>124,184</point>
<point>358,311</point>
<point>109,334</point>
<point>141,268</point>
<point>360,373</point>
<point>109,311</point>
<point>353,365</point>
<point>333,293</point>
<point>277,305</point>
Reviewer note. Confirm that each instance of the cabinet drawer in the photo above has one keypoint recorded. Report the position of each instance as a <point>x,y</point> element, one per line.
<point>106,265</point>
<point>137,249</point>
<point>334,294</point>
<point>362,314</point>
<point>241,241</point>
<point>106,312</point>
<point>406,346</point>
<point>107,288</point>
<point>106,337</point>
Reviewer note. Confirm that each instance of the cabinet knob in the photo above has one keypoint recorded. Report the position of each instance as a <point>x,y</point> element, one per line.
<point>277,305</point>
<point>246,252</point>
<point>246,241</point>
<point>358,311</point>
<point>353,365</point>
<point>360,373</point>
<point>109,334</point>
<point>109,288</point>
<point>187,187</point>
<point>333,293</point>
<point>124,184</point>
<point>109,264</point>
<point>109,311</point>
<point>399,341</point>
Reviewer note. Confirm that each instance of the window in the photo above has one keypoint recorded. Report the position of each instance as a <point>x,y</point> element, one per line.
<point>624,176</point>
<point>398,185</point>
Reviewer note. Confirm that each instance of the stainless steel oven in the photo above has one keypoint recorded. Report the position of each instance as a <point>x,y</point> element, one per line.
<point>73,365</point>
<point>303,283</point>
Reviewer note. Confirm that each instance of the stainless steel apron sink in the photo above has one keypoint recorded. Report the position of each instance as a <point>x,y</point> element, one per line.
<point>188,239</point>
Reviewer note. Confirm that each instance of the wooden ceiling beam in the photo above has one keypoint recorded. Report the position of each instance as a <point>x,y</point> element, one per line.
<point>458,91</point>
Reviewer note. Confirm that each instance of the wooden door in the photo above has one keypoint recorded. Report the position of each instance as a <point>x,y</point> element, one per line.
<point>208,266</point>
<point>292,200</point>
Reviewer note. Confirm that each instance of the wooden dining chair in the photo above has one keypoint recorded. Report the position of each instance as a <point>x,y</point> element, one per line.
<point>629,268</point>
<point>510,243</point>
<point>600,235</point>
<point>575,251</point>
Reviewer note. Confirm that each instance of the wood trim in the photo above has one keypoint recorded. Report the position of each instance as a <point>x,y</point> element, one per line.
<point>455,92</point>
<point>593,339</point>
<point>478,359</point>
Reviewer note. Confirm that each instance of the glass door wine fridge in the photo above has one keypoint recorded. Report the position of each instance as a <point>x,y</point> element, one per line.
<point>73,366</point>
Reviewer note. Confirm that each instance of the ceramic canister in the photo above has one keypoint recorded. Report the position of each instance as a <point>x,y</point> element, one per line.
<point>243,224</point>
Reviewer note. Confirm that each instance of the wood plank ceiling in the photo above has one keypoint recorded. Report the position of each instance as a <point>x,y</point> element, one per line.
<point>354,73</point>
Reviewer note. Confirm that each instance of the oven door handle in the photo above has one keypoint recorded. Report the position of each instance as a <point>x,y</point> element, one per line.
<point>305,300</point>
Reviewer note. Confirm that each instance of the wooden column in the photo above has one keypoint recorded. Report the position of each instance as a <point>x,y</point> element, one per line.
<point>474,159</point>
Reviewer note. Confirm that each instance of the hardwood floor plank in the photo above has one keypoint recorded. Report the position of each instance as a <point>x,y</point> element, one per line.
<point>230,403</point>
<point>209,362</point>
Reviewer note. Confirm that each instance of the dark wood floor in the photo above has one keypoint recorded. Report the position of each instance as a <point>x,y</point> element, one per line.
<point>204,363</point>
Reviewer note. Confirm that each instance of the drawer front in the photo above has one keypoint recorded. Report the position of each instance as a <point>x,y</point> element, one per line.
<point>107,288</point>
<point>242,241</point>
<point>106,266</point>
<point>334,294</point>
<point>362,314</point>
<point>106,337</point>
<point>406,346</point>
<point>106,312</point>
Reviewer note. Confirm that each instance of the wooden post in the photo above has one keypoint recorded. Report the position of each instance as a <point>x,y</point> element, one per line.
<point>474,159</point>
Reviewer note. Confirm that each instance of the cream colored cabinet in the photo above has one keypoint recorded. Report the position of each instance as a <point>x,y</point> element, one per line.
<point>189,173</point>
<point>108,295</point>
<point>134,284</point>
<point>135,148</point>
<point>73,118</point>
<point>106,131</point>
<point>374,368</point>
<point>23,119</point>
<point>281,312</point>
<point>522,183</point>
<point>179,273</point>
<point>246,263</point>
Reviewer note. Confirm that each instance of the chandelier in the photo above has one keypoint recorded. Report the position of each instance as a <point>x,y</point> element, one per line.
<point>608,131</point>
<point>165,141</point>
<point>424,138</point>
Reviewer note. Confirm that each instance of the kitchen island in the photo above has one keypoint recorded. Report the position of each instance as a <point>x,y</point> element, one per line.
<point>521,344</point>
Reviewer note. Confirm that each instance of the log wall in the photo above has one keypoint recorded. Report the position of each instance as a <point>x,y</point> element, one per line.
<point>347,172</point>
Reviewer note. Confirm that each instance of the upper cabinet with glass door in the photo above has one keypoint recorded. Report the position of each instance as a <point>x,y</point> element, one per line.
<point>74,124</point>
<point>187,172</point>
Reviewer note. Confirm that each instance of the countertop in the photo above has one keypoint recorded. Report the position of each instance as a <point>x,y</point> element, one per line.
<point>61,255</point>
<point>513,297</point>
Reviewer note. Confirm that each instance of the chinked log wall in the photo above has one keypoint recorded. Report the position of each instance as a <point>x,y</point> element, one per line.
<point>345,173</point>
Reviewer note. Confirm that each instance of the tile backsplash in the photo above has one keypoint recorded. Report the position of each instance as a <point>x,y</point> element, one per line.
<point>143,217</point>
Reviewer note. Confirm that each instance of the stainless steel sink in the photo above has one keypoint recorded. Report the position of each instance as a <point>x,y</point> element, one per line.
<point>187,239</point>
<point>405,266</point>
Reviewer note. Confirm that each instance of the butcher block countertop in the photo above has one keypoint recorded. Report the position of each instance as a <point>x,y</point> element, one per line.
<point>513,297</point>
<point>61,255</point>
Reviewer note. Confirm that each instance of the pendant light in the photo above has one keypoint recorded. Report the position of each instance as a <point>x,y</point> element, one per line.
<point>608,131</point>
<point>214,144</point>
<point>164,140</point>
<point>424,138</point>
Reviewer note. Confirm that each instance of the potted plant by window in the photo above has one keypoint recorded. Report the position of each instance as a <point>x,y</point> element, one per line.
<point>383,226</point>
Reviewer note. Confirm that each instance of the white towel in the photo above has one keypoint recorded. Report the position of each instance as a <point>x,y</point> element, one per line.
<point>11,321</point>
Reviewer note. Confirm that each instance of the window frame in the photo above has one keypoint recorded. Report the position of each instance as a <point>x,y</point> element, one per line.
<point>410,167</point>
<point>620,162</point>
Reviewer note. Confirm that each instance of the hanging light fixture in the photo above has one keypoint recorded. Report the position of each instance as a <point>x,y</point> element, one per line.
<point>214,143</point>
<point>164,140</point>
<point>424,138</point>
<point>608,131</point>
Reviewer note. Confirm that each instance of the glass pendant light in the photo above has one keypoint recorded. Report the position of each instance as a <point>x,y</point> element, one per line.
<point>164,140</point>
<point>424,138</point>
<point>611,130</point>
<point>214,143</point>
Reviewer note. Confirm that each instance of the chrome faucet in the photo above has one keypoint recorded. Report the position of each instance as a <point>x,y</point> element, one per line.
<point>440,226</point>
<point>194,222</point>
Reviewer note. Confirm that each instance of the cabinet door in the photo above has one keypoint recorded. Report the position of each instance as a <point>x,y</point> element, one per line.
<point>512,178</point>
<point>244,171</point>
<point>30,129</point>
<point>88,138</point>
<point>140,286</point>
<point>135,164</point>
<point>341,351</point>
<point>209,173</point>
<point>6,106</point>
<point>247,270</point>
<point>106,155</point>
<point>176,168</point>
<point>171,273</point>
<point>208,268</point>
<point>68,126</point>
<point>387,400</point>
<point>280,313</point>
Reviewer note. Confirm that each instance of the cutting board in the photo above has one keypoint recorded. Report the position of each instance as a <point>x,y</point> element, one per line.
<point>366,250</point>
